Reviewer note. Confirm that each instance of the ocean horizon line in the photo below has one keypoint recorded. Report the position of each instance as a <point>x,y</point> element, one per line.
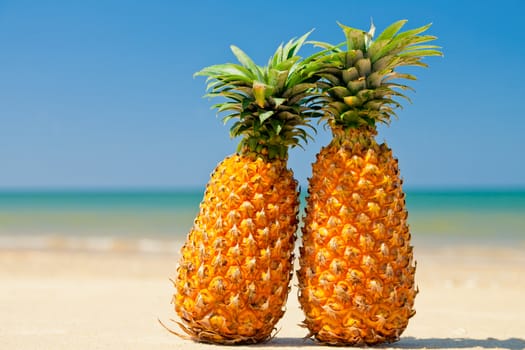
<point>193,189</point>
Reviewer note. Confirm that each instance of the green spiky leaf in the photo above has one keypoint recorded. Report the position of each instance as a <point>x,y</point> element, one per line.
<point>391,30</point>
<point>264,116</point>
<point>366,69</point>
<point>247,62</point>
<point>355,38</point>
<point>270,106</point>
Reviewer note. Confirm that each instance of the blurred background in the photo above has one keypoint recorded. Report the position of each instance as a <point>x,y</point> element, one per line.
<point>105,135</point>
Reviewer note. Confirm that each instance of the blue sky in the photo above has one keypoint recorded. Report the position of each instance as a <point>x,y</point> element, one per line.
<point>100,94</point>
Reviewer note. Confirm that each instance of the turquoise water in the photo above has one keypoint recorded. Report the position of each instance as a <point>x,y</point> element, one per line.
<point>108,213</point>
<point>434,216</point>
<point>489,216</point>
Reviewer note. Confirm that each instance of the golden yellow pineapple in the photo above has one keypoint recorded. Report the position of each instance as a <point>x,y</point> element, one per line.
<point>233,277</point>
<point>356,276</point>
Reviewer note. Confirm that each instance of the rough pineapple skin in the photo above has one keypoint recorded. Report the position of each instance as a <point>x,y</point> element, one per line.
<point>233,277</point>
<point>356,276</point>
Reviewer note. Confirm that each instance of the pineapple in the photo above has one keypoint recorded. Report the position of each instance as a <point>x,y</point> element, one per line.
<point>356,275</point>
<point>234,272</point>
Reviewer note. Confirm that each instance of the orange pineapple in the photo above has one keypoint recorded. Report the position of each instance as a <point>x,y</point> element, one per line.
<point>356,276</point>
<point>233,277</point>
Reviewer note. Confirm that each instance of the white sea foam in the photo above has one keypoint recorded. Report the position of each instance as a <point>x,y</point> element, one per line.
<point>100,244</point>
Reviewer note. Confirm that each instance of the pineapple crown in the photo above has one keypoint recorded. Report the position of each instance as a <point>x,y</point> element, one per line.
<point>361,82</point>
<point>271,105</point>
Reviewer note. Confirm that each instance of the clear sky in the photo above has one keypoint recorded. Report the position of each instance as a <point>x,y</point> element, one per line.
<point>100,94</point>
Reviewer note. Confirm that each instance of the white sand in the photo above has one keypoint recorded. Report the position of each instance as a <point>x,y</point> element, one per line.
<point>470,297</point>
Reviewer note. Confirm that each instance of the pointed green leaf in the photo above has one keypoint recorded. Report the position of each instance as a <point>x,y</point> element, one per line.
<point>366,94</point>
<point>374,80</point>
<point>252,143</point>
<point>410,61</point>
<point>231,95</point>
<point>351,117</point>
<point>276,125</point>
<point>332,79</point>
<point>364,66</point>
<point>355,38</point>
<point>225,70</point>
<point>278,101</point>
<point>229,117</point>
<point>414,32</point>
<point>228,106</point>
<point>396,75</point>
<point>420,47</point>
<point>374,105</point>
<point>376,46</point>
<point>301,98</point>
<point>399,86</point>
<point>277,78</point>
<point>297,89</point>
<point>356,85</point>
<point>277,57</point>
<point>336,108</point>
<point>324,45</point>
<point>384,63</point>
<point>298,44</point>
<point>409,42</point>
<point>247,62</point>
<point>421,53</point>
<point>339,92</point>
<point>391,30</point>
<point>264,116</point>
<point>287,64</point>
<point>350,74</point>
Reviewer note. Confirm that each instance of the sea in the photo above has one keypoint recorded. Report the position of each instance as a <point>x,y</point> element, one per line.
<point>157,221</point>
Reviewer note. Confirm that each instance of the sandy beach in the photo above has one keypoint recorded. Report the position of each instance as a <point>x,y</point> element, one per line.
<point>470,297</point>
